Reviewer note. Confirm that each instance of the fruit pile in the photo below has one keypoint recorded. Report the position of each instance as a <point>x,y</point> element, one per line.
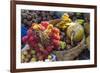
<point>43,38</point>
<point>45,33</point>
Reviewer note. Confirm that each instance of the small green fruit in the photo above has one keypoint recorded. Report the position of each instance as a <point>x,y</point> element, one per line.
<point>62,44</point>
<point>33,59</point>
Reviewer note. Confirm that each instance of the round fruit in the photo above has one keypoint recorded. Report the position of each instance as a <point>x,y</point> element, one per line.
<point>29,32</point>
<point>32,52</point>
<point>49,57</point>
<point>62,45</point>
<point>29,17</point>
<point>75,32</point>
<point>22,57</point>
<point>36,27</point>
<point>45,24</point>
<point>25,53</point>
<point>88,42</point>
<point>24,39</point>
<point>33,59</point>
<point>55,30</point>
<point>87,28</point>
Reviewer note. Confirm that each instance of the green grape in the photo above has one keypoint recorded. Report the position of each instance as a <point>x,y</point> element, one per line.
<point>22,57</point>
<point>49,57</point>
<point>24,52</point>
<point>32,52</point>
<point>33,59</point>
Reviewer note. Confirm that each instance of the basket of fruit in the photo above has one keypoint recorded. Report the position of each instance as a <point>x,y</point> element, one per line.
<point>52,36</point>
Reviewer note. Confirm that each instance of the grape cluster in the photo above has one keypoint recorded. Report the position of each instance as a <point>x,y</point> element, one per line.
<point>28,56</point>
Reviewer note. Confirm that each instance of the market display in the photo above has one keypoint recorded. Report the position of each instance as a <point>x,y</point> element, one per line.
<point>54,36</point>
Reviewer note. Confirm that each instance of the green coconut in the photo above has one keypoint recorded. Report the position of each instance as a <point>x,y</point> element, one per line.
<point>75,32</point>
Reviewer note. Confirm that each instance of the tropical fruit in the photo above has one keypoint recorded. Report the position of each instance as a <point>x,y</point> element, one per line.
<point>75,32</point>
<point>87,28</point>
<point>88,42</point>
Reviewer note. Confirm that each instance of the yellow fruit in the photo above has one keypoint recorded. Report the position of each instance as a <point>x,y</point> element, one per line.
<point>65,17</point>
<point>22,57</point>
<point>87,28</point>
<point>75,32</point>
<point>50,27</point>
<point>63,25</point>
<point>88,42</point>
<point>65,21</point>
<point>24,52</point>
<point>49,57</point>
<point>33,59</point>
<point>36,27</point>
<point>32,52</point>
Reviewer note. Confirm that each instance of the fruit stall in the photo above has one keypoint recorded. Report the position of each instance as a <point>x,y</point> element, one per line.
<point>54,36</point>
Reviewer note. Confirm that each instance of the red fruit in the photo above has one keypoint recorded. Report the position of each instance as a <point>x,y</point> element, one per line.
<point>45,24</point>
<point>42,27</point>
<point>31,38</point>
<point>24,39</point>
<point>41,49</point>
<point>56,42</point>
<point>38,54</point>
<point>29,32</point>
<point>55,36</point>
<point>55,30</point>
<point>36,39</point>
<point>32,44</point>
<point>37,49</point>
<point>45,52</point>
<point>49,48</point>
<point>42,57</point>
